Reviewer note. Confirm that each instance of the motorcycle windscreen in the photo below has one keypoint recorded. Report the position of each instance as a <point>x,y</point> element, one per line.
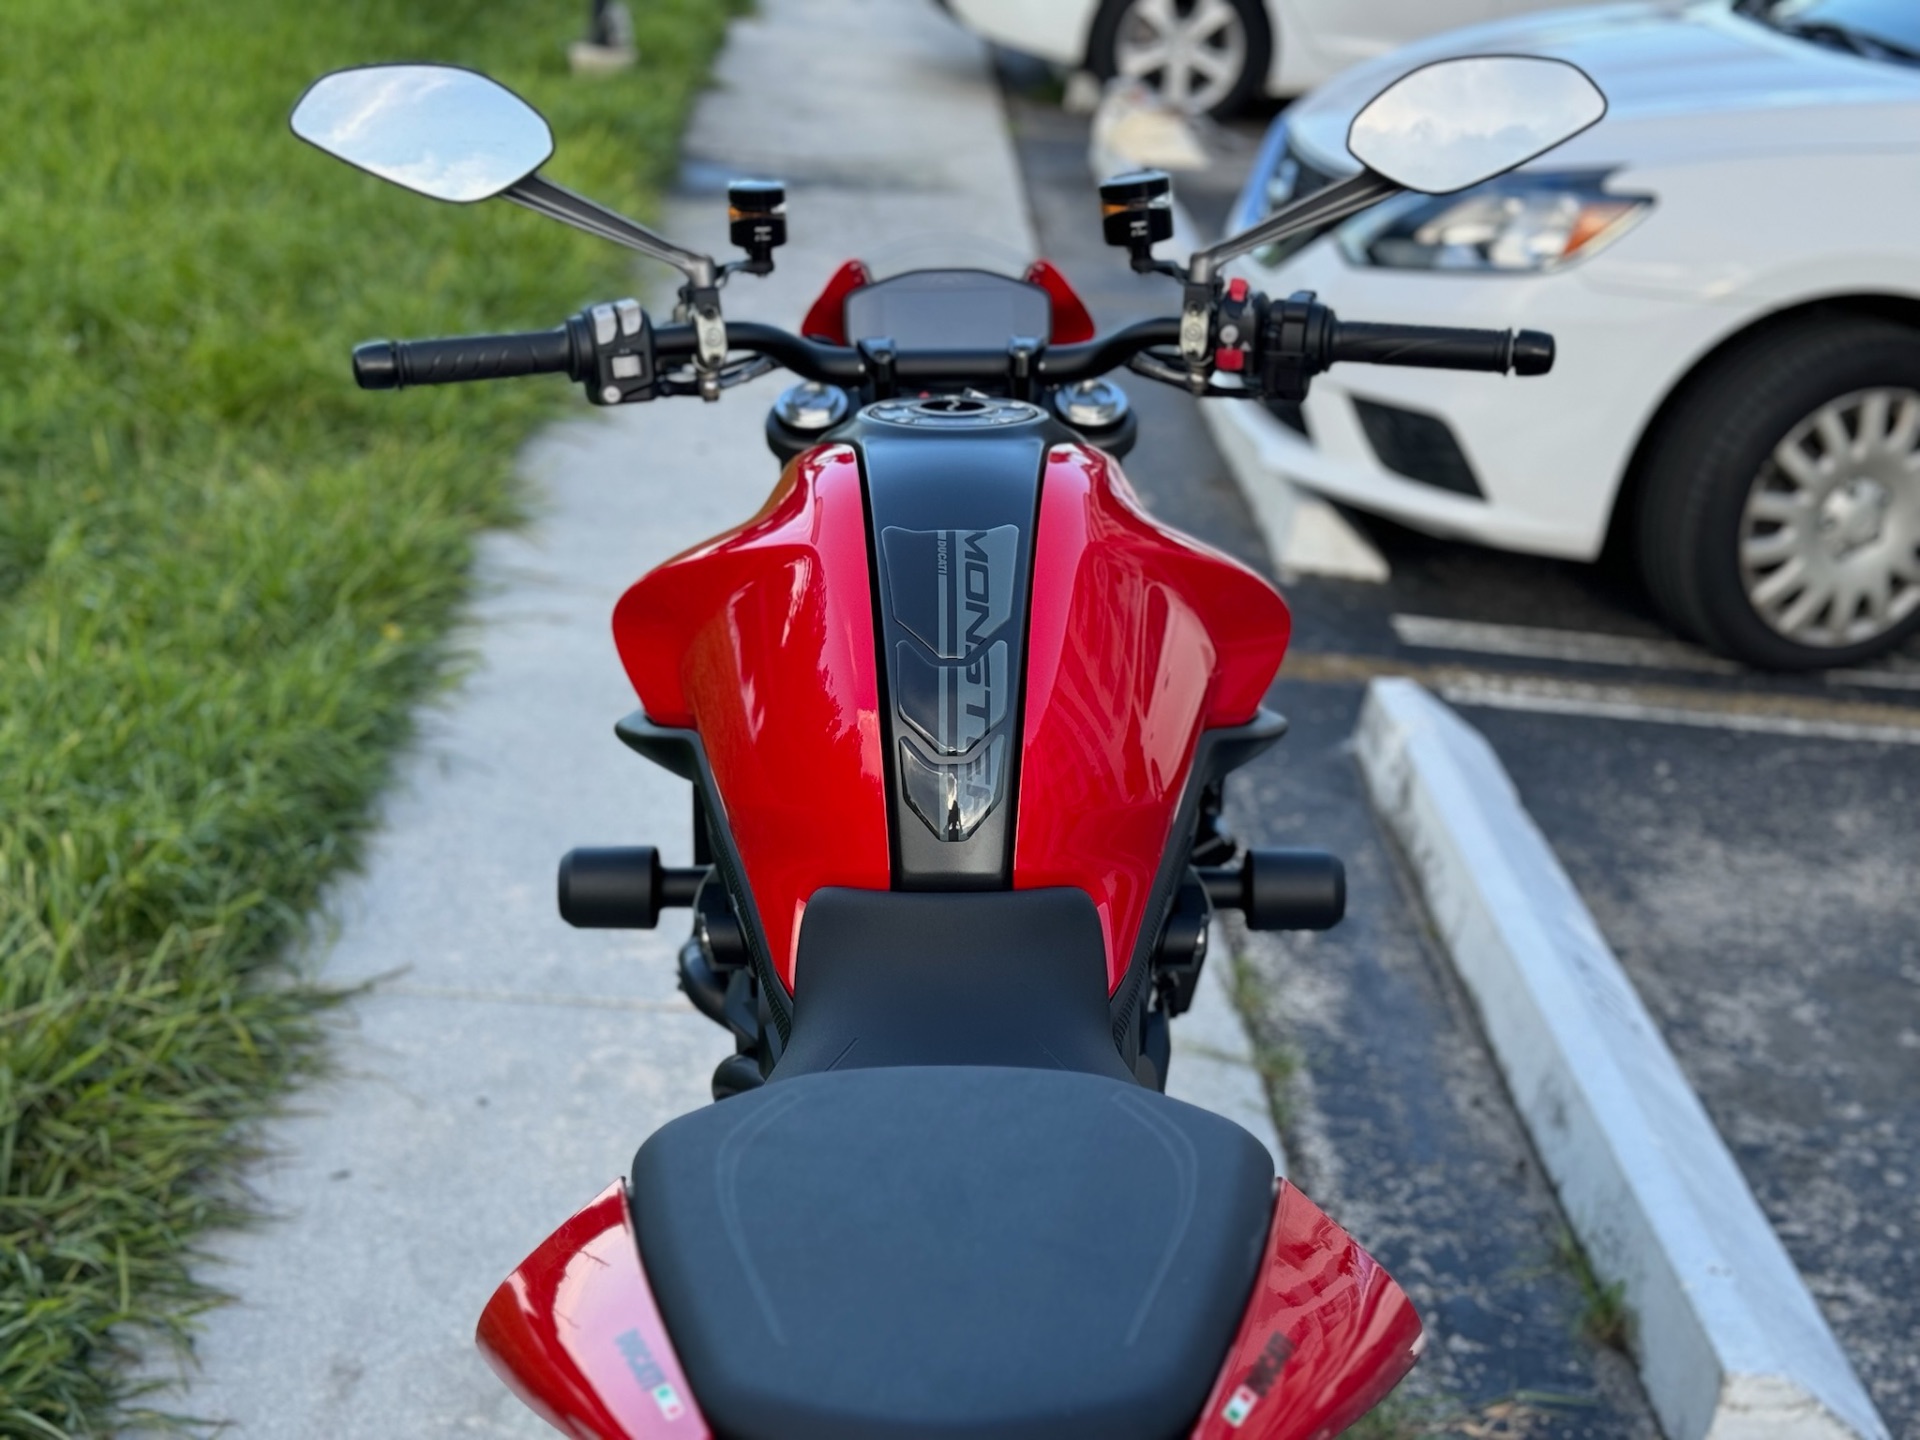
<point>575,1333</point>
<point>1326,1335</point>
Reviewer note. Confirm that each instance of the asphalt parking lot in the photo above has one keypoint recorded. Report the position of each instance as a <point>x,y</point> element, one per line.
<point>1749,844</point>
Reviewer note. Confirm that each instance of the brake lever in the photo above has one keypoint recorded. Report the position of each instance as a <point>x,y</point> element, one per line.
<point>690,380</point>
<point>1155,367</point>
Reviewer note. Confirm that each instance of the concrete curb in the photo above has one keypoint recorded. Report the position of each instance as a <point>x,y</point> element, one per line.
<point>1730,1343</point>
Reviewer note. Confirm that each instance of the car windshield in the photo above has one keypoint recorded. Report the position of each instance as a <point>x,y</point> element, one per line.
<point>1878,29</point>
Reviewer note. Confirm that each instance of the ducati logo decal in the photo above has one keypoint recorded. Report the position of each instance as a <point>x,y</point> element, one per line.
<point>952,592</point>
<point>1273,1359</point>
<point>633,1349</point>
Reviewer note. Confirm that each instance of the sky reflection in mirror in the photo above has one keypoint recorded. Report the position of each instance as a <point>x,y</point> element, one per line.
<point>436,129</point>
<point>1457,123</point>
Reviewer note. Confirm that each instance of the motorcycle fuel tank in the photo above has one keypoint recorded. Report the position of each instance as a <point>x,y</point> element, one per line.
<point>952,652</point>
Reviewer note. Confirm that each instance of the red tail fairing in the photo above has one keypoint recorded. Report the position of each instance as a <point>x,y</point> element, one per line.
<point>575,1332</point>
<point>1327,1334</point>
<point>1140,639</point>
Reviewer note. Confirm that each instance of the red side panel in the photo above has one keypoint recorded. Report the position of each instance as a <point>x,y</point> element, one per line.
<point>1140,638</point>
<point>762,640</point>
<point>1326,1335</point>
<point>576,1335</point>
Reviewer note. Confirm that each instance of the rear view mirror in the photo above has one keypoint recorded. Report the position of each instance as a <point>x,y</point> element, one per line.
<point>435,129</point>
<point>1456,123</point>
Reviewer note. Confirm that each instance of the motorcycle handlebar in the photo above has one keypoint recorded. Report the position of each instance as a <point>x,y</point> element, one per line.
<point>1436,347</point>
<point>569,350</point>
<point>396,364</point>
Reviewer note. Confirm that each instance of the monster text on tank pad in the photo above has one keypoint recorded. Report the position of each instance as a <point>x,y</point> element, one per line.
<point>952,592</point>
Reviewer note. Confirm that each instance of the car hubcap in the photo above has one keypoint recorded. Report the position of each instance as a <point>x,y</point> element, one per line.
<point>1830,538</point>
<point>1192,51</point>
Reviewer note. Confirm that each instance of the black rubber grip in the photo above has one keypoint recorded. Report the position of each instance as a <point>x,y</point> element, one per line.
<point>396,364</point>
<point>1435,347</point>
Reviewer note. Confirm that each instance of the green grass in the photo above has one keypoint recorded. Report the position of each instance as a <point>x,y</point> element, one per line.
<point>1605,1318</point>
<point>226,577</point>
<point>1274,1058</point>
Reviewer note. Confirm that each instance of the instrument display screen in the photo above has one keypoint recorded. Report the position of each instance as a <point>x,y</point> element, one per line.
<point>949,310</point>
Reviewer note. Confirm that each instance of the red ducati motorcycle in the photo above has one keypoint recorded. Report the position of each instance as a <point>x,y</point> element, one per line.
<point>956,714</point>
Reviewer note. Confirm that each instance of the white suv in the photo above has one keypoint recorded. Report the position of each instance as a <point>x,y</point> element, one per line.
<point>1730,262</point>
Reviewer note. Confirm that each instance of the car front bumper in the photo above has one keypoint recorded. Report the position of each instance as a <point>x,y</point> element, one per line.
<point>1547,454</point>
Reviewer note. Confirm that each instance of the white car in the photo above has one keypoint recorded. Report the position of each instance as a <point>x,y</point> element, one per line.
<point>1216,55</point>
<point>1730,262</point>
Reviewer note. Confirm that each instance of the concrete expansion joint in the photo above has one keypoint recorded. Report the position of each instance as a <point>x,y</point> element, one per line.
<point>1729,1341</point>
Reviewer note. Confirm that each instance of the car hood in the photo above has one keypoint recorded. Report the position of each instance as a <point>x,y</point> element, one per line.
<point>1682,80</point>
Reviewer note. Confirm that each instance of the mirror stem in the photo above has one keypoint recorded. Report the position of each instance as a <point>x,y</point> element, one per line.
<point>557,202</point>
<point>1323,207</point>
<point>701,294</point>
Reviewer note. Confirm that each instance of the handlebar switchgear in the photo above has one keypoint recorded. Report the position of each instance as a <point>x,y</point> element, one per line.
<point>1302,338</point>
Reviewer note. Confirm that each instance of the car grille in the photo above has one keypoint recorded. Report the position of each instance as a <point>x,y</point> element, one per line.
<point>1290,414</point>
<point>1418,446</point>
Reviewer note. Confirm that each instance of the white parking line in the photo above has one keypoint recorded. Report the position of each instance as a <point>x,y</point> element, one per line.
<point>1589,647</point>
<point>1898,675</point>
<point>1609,703</point>
<point>1766,713</point>
<point>1431,632</point>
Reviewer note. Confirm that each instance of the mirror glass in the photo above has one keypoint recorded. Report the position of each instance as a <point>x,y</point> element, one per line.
<point>435,129</point>
<point>1456,123</point>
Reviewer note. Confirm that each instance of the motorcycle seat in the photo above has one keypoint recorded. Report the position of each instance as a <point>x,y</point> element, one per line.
<point>974,1252</point>
<point>1010,977</point>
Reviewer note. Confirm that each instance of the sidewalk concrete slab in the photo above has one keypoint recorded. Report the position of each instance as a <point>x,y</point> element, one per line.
<point>1214,1063</point>
<point>502,1068</point>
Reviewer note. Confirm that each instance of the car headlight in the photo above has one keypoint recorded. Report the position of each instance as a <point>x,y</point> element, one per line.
<point>1518,223</point>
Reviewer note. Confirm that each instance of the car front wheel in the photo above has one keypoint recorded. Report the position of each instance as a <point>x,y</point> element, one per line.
<point>1780,514</point>
<point>1202,55</point>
